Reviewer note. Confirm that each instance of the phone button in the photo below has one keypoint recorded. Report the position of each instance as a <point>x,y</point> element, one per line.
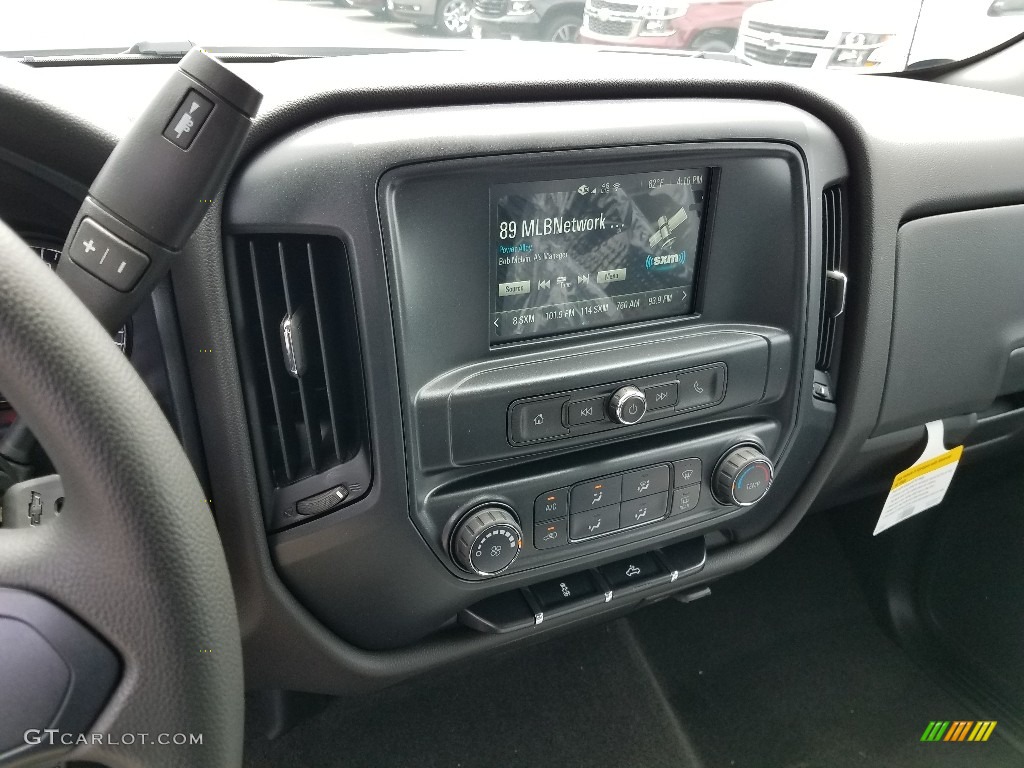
<point>703,387</point>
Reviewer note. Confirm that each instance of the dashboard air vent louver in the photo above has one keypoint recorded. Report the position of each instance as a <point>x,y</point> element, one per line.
<point>833,284</point>
<point>298,348</point>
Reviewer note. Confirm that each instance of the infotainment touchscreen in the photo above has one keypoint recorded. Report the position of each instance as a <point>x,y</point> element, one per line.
<point>591,252</point>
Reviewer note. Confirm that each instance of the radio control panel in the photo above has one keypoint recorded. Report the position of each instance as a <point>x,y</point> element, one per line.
<point>622,404</point>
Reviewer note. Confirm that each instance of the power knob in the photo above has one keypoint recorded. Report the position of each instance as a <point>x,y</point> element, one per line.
<point>487,540</point>
<point>627,405</point>
<point>743,476</point>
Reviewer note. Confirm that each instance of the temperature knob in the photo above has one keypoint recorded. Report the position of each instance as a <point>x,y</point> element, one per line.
<point>628,405</point>
<point>487,541</point>
<point>743,476</point>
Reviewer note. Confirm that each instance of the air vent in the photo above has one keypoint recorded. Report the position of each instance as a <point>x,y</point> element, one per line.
<point>299,353</point>
<point>833,283</point>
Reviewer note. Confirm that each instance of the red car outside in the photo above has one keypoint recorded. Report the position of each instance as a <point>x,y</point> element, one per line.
<point>708,25</point>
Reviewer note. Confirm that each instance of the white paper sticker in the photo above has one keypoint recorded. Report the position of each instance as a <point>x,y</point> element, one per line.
<point>923,485</point>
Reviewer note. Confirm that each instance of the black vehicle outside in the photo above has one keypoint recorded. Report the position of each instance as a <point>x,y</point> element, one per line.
<point>554,21</point>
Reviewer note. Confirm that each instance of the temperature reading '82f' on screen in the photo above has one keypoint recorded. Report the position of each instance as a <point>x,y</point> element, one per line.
<point>585,253</point>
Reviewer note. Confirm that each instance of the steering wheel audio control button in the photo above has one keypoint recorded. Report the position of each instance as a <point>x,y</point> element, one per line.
<point>628,405</point>
<point>107,257</point>
<point>743,476</point>
<point>487,541</point>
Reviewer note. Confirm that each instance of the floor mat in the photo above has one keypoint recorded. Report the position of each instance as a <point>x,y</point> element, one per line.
<point>783,666</point>
<point>582,700</point>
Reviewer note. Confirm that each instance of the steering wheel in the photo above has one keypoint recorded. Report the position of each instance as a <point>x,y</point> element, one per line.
<point>133,554</point>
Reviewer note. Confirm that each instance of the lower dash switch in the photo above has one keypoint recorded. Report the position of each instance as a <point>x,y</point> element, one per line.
<point>323,502</point>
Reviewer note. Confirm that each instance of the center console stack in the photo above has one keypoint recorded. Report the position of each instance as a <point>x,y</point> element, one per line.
<point>632,308</point>
<point>613,355</point>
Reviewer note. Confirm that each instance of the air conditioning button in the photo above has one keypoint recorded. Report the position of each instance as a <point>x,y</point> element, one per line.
<point>551,505</point>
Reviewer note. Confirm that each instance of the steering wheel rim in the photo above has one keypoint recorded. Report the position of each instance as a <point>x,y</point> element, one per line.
<point>134,554</point>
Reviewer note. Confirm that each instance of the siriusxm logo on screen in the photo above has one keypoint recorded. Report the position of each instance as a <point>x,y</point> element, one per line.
<point>667,261</point>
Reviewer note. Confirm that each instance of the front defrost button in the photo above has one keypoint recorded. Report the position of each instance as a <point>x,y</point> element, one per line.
<point>688,471</point>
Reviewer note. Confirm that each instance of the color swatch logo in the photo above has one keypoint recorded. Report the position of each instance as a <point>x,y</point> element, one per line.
<point>958,730</point>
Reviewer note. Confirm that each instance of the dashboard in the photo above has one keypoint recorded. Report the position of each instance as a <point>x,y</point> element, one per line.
<point>467,366</point>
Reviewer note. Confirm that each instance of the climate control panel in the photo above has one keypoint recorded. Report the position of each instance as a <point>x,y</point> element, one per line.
<point>608,505</point>
<point>490,537</point>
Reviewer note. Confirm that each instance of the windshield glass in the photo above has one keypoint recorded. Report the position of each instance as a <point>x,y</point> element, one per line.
<point>847,36</point>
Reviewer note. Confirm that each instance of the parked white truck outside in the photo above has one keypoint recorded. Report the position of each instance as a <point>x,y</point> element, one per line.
<point>873,35</point>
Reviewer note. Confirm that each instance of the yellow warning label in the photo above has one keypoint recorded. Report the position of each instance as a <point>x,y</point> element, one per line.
<point>919,470</point>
